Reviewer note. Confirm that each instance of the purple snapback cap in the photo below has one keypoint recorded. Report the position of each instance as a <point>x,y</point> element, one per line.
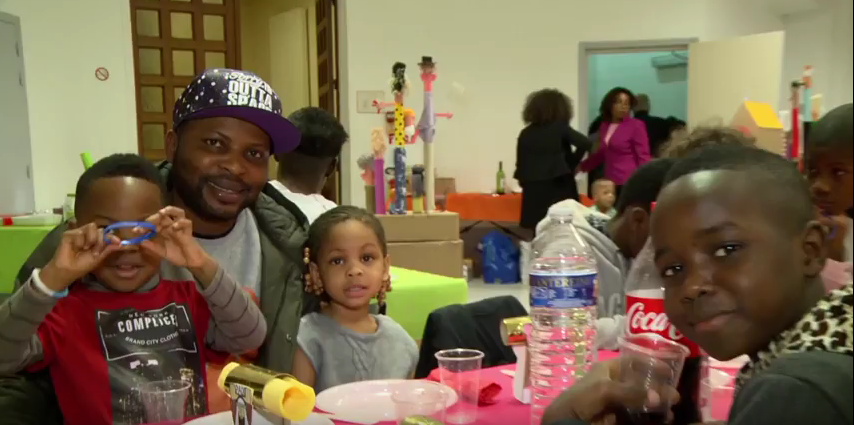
<point>221,92</point>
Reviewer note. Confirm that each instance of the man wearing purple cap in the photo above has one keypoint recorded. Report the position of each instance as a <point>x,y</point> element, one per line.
<point>225,127</point>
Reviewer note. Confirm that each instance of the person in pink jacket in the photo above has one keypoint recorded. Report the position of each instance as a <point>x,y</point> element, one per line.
<point>622,144</point>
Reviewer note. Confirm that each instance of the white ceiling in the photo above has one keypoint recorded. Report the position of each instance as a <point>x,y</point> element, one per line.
<point>790,7</point>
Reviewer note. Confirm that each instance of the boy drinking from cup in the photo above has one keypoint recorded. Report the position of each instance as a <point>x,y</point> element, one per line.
<point>740,257</point>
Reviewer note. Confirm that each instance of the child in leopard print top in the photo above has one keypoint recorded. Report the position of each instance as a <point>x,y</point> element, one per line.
<point>740,256</point>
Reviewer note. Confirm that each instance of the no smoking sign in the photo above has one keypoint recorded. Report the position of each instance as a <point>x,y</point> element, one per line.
<point>102,74</point>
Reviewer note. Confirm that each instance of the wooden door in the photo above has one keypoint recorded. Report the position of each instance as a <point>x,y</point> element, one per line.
<point>327,78</point>
<point>174,40</point>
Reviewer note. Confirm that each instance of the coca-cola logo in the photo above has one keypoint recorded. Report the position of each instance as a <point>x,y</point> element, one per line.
<point>641,320</point>
<point>646,315</point>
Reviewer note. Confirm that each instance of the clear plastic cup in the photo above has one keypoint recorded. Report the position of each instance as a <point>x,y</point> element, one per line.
<point>650,362</point>
<point>717,391</point>
<point>459,369</point>
<point>164,402</point>
<point>419,399</point>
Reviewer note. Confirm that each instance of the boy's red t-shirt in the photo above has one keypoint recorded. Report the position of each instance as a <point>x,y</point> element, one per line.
<point>100,346</point>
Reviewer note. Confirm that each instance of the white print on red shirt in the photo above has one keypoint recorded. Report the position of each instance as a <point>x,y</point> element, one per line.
<point>141,346</point>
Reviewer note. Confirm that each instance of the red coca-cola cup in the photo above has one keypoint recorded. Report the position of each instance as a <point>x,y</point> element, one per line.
<point>645,315</point>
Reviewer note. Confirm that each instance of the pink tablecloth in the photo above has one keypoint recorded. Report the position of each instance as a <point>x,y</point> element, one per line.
<point>508,410</point>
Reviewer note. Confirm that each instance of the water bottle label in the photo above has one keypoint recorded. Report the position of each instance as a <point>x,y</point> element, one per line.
<point>563,290</point>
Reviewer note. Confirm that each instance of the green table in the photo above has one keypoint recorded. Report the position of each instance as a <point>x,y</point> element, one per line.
<point>416,294</point>
<point>16,244</point>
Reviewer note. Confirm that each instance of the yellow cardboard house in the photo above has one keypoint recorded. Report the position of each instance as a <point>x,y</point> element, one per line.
<point>759,121</point>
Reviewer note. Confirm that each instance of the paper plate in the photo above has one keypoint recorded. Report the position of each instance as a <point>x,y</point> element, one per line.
<point>370,401</point>
<point>735,363</point>
<point>224,418</point>
<point>720,379</point>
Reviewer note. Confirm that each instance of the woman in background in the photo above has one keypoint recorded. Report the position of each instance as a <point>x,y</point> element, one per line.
<point>597,172</point>
<point>622,143</point>
<point>547,152</point>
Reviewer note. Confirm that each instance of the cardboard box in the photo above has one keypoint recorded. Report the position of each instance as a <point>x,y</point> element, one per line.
<point>759,121</point>
<point>435,226</point>
<point>445,185</point>
<point>444,258</point>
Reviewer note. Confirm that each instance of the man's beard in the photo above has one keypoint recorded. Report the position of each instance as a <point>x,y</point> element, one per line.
<point>194,199</point>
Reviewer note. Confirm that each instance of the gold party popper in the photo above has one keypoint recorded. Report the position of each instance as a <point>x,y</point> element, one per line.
<point>513,330</point>
<point>419,420</point>
<point>278,393</point>
<point>513,334</point>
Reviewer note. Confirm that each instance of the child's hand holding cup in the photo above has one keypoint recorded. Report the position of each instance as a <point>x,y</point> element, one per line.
<point>654,364</point>
<point>610,391</point>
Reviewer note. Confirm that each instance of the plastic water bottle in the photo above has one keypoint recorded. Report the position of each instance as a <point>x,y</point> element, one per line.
<point>563,284</point>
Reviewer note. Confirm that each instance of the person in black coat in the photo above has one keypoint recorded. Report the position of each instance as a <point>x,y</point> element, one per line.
<point>657,128</point>
<point>597,172</point>
<point>547,153</point>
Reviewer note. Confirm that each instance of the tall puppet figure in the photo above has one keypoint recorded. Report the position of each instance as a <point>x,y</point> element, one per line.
<point>378,150</point>
<point>417,189</point>
<point>794,148</point>
<point>427,129</point>
<point>403,129</point>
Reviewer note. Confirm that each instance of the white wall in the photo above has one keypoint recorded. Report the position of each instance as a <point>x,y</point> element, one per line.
<point>499,53</point>
<point>717,86</point>
<point>71,111</point>
<point>667,88</point>
<point>821,38</point>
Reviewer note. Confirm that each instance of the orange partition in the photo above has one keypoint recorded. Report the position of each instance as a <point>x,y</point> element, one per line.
<point>485,206</point>
<point>491,207</point>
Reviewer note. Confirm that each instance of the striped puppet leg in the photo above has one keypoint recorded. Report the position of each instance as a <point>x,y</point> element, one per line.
<point>399,205</point>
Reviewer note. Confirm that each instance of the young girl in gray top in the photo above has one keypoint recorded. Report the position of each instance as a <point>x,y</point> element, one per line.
<point>348,266</point>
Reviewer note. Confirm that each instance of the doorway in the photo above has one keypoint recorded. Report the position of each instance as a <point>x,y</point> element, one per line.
<point>661,75</point>
<point>292,45</point>
<point>658,68</point>
<point>716,88</point>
